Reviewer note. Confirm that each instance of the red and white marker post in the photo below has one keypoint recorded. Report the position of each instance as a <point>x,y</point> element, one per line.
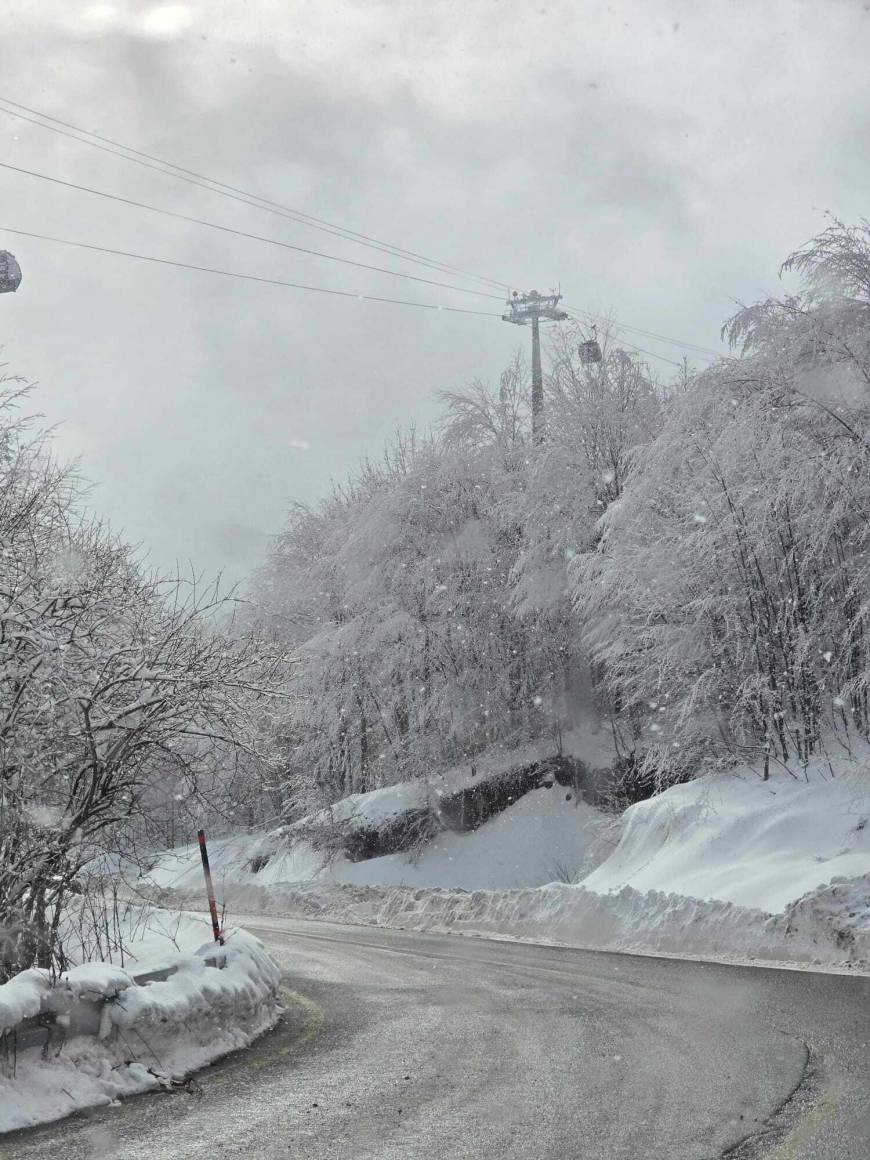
<point>212,905</point>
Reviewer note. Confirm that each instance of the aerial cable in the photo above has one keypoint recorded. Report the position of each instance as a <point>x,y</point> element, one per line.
<point>652,354</point>
<point>576,312</point>
<point>245,277</point>
<point>639,349</point>
<point>256,201</point>
<point>642,350</point>
<point>215,186</point>
<point>244,234</point>
<point>281,282</point>
<point>170,169</point>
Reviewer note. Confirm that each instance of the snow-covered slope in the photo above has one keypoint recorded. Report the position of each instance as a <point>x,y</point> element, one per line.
<point>548,835</point>
<point>727,865</point>
<point>232,860</point>
<point>736,838</point>
<point>729,838</point>
<point>541,835</point>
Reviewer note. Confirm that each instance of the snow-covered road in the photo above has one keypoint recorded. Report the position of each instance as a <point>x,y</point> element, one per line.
<point>399,1046</point>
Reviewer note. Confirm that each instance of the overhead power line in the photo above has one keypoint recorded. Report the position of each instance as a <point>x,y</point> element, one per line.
<point>171,169</point>
<point>244,233</point>
<point>244,277</point>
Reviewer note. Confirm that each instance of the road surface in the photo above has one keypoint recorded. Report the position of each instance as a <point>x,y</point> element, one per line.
<point>401,1046</point>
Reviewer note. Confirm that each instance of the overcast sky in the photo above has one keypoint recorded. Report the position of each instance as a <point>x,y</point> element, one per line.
<point>657,158</point>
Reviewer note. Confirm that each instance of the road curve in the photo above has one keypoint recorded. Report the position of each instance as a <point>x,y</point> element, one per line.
<point>400,1046</point>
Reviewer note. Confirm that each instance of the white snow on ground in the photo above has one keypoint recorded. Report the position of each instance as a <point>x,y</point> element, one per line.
<point>539,839</point>
<point>827,927</point>
<point>231,858</point>
<point>739,839</point>
<point>725,865</point>
<point>22,997</point>
<point>145,937</point>
<point>291,860</point>
<point>149,1035</point>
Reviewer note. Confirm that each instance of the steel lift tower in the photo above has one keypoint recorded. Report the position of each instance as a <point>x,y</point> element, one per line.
<point>528,309</point>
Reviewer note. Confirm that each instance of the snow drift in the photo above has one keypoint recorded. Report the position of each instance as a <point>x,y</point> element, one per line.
<point>527,824</point>
<point>736,838</point>
<point>726,865</point>
<point>149,1036</point>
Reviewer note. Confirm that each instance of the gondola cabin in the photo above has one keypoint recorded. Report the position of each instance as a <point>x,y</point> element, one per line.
<point>589,351</point>
<point>10,273</point>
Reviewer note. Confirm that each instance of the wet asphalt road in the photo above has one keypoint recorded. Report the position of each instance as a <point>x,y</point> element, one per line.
<point>399,1046</point>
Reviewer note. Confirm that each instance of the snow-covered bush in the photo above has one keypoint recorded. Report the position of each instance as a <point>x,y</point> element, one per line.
<point>141,1037</point>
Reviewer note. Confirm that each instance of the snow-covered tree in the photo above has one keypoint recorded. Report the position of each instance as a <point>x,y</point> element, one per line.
<point>427,600</point>
<point>727,600</point>
<point>111,681</point>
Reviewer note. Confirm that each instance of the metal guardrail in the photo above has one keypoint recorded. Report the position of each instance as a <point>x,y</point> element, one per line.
<point>67,1016</point>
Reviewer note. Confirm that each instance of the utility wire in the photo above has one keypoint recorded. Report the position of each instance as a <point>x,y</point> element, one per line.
<point>243,233</point>
<point>212,185</point>
<point>170,169</point>
<point>244,277</point>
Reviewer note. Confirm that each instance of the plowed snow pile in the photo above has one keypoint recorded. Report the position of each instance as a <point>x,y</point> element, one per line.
<point>148,1035</point>
<point>725,865</point>
<point>743,840</point>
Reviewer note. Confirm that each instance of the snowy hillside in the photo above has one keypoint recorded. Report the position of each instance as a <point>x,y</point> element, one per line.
<point>541,834</point>
<point>543,838</point>
<point>728,864</point>
<point>742,840</point>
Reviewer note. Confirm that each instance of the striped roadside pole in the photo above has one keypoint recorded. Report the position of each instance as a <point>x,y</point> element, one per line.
<point>212,905</point>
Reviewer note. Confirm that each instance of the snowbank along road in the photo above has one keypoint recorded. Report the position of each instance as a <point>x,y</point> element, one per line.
<point>397,1046</point>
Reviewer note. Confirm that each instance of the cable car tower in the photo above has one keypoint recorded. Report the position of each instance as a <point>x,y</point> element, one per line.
<point>526,309</point>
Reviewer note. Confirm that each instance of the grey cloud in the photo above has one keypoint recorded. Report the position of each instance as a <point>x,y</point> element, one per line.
<point>664,193</point>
